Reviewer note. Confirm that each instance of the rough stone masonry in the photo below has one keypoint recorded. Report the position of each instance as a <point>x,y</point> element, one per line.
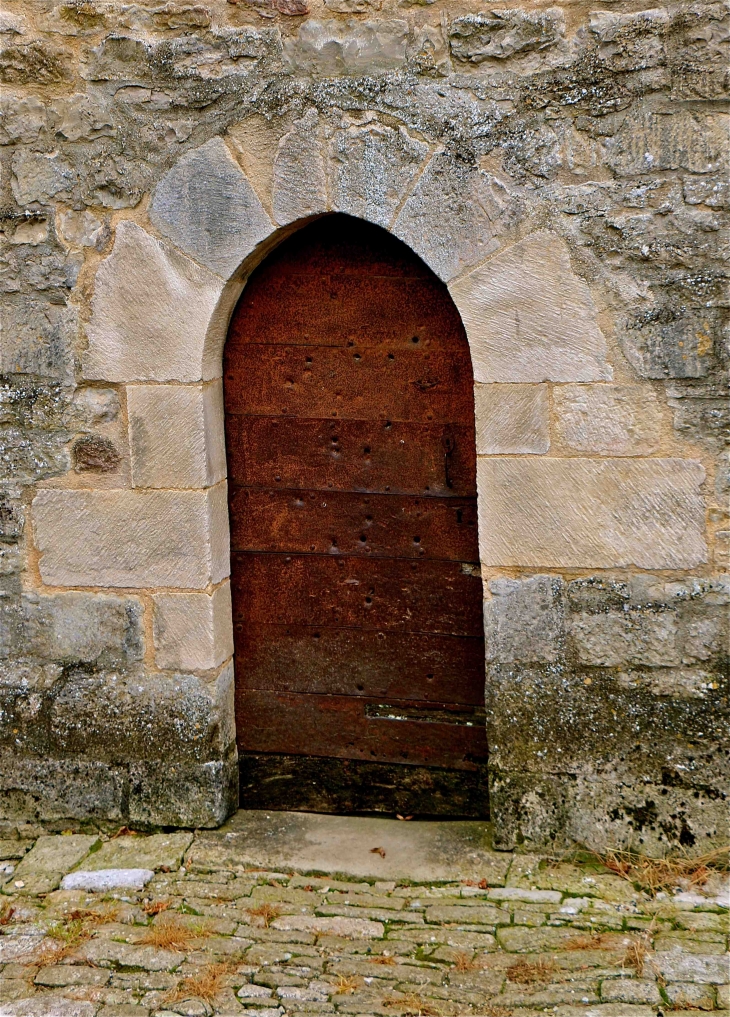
<point>564,170</point>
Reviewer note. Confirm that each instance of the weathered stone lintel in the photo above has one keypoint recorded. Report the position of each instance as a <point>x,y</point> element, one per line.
<point>583,513</point>
<point>138,539</point>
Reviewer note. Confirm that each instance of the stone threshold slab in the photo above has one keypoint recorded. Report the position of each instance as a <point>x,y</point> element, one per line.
<point>360,846</point>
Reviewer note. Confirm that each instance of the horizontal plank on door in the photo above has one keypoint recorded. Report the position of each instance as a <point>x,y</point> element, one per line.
<point>318,784</point>
<point>350,383</point>
<point>381,594</point>
<point>355,662</point>
<point>335,310</point>
<point>351,455</point>
<point>340,726</point>
<point>369,525</point>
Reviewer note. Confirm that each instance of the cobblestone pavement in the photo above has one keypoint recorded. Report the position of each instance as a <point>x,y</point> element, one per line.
<point>202,935</point>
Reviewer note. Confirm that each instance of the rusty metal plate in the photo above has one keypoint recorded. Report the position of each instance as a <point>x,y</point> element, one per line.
<point>368,525</point>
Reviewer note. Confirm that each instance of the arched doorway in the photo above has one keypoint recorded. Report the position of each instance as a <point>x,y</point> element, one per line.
<point>357,600</point>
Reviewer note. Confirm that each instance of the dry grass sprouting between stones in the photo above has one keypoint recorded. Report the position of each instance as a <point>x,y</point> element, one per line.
<point>383,958</point>
<point>527,973</point>
<point>654,875</point>
<point>464,962</point>
<point>264,914</point>
<point>156,907</point>
<point>635,957</point>
<point>71,931</point>
<point>591,941</point>
<point>347,984</point>
<point>411,1005</point>
<point>170,935</point>
<point>205,984</point>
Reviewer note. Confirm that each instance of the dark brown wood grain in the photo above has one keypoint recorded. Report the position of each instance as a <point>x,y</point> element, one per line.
<point>367,525</point>
<point>357,600</point>
<point>426,667</point>
<point>400,457</point>
<point>310,724</point>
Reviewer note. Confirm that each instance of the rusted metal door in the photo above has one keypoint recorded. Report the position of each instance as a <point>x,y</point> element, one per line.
<point>357,602</point>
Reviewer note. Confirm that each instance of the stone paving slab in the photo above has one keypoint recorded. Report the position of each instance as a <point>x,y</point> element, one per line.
<point>370,848</point>
<point>240,926</point>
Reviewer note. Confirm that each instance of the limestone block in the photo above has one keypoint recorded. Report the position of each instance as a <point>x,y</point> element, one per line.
<point>372,167</point>
<point>159,851</point>
<point>648,141</point>
<point>51,789</point>
<point>193,631</point>
<point>81,627</point>
<point>591,514</point>
<point>150,313</point>
<point>445,222</point>
<point>299,183</point>
<point>611,638</point>
<point>107,880</point>
<point>511,419</point>
<point>613,420</point>
<point>207,207</point>
<point>493,38</point>
<point>132,538</point>
<point>530,318</point>
<point>39,177</point>
<point>50,859</point>
<point>176,435</point>
<point>332,48</point>
<point>122,718</point>
<point>165,793</point>
<point>523,620</point>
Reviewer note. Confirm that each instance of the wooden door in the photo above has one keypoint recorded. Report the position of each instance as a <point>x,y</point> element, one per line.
<point>357,602</point>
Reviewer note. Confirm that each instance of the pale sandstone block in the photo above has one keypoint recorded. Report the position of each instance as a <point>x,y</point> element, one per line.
<point>371,168</point>
<point>132,538</point>
<point>530,318</point>
<point>176,435</point>
<point>511,419</point>
<point>299,184</point>
<point>193,631</point>
<point>614,420</point>
<point>207,207</point>
<point>591,514</point>
<point>446,220</point>
<point>150,314</point>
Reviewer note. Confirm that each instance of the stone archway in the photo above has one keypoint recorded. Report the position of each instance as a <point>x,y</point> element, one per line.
<point>160,309</point>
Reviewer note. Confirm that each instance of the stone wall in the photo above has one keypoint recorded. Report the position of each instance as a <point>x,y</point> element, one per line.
<point>564,170</point>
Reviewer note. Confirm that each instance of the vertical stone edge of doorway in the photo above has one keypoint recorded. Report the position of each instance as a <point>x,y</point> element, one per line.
<point>598,601</point>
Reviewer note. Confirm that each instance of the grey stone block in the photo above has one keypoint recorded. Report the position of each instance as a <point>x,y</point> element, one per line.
<point>170,793</point>
<point>444,220</point>
<point>76,627</point>
<point>207,207</point>
<point>40,788</point>
<point>523,620</point>
<point>42,869</point>
<point>371,168</point>
<point>540,810</point>
<point>159,851</point>
<point>103,880</point>
<point>121,718</point>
